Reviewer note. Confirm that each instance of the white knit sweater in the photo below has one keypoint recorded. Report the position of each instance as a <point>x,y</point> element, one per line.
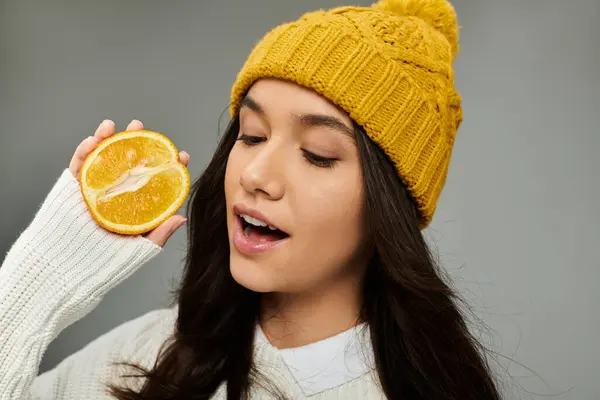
<point>60,268</point>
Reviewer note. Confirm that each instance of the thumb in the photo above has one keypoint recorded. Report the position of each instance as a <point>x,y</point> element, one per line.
<point>163,232</point>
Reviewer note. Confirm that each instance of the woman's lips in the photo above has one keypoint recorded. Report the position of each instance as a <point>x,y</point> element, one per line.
<point>251,244</point>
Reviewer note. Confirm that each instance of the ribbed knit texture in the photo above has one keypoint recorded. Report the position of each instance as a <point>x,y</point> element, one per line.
<point>58,271</point>
<point>390,67</point>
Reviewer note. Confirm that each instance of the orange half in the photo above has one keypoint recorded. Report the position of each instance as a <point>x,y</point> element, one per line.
<point>134,181</point>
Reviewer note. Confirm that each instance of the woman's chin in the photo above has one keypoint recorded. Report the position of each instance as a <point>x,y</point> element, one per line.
<point>248,274</point>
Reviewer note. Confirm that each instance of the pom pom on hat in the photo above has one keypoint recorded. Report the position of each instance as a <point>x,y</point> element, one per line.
<point>439,14</point>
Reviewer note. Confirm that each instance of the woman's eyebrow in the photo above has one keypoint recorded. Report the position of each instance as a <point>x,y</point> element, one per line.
<point>250,103</point>
<point>306,120</point>
<point>325,121</point>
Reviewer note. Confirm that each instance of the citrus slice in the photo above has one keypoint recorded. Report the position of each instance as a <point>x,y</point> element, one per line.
<point>133,181</point>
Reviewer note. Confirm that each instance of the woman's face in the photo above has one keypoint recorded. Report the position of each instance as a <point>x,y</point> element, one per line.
<point>295,166</point>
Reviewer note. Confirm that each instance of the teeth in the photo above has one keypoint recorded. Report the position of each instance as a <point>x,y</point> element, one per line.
<point>254,221</point>
<point>272,228</point>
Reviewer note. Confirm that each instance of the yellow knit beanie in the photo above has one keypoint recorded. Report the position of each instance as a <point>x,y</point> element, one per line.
<point>389,66</point>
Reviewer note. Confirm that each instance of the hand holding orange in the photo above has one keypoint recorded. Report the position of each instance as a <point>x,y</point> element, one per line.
<point>133,182</point>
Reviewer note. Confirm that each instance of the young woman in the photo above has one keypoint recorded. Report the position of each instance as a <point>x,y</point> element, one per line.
<point>307,275</point>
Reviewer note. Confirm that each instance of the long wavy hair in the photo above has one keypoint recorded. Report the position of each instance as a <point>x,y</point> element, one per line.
<point>423,347</point>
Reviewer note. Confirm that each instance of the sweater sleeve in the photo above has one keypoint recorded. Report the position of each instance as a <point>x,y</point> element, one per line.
<point>56,272</point>
<point>85,374</point>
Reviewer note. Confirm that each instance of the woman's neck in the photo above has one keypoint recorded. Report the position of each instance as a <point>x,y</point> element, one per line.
<point>293,320</point>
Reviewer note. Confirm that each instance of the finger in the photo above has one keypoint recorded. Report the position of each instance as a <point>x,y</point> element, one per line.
<point>161,234</point>
<point>135,125</point>
<point>105,129</point>
<point>81,153</point>
<point>184,157</point>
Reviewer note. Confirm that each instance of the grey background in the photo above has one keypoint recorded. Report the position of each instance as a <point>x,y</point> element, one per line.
<point>517,225</point>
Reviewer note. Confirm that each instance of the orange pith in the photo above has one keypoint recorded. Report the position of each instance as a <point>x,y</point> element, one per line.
<point>134,181</point>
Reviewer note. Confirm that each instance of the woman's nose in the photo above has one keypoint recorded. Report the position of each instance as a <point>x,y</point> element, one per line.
<point>264,173</point>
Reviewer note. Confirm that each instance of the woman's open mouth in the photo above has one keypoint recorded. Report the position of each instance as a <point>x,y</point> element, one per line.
<point>259,230</point>
<point>251,235</point>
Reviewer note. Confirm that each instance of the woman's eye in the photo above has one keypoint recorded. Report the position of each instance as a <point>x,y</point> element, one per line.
<point>318,161</point>
<point>311,158</point>
<point>250,140</point>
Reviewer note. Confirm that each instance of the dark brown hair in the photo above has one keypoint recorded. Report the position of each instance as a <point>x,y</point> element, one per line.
<point>423,348</point>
